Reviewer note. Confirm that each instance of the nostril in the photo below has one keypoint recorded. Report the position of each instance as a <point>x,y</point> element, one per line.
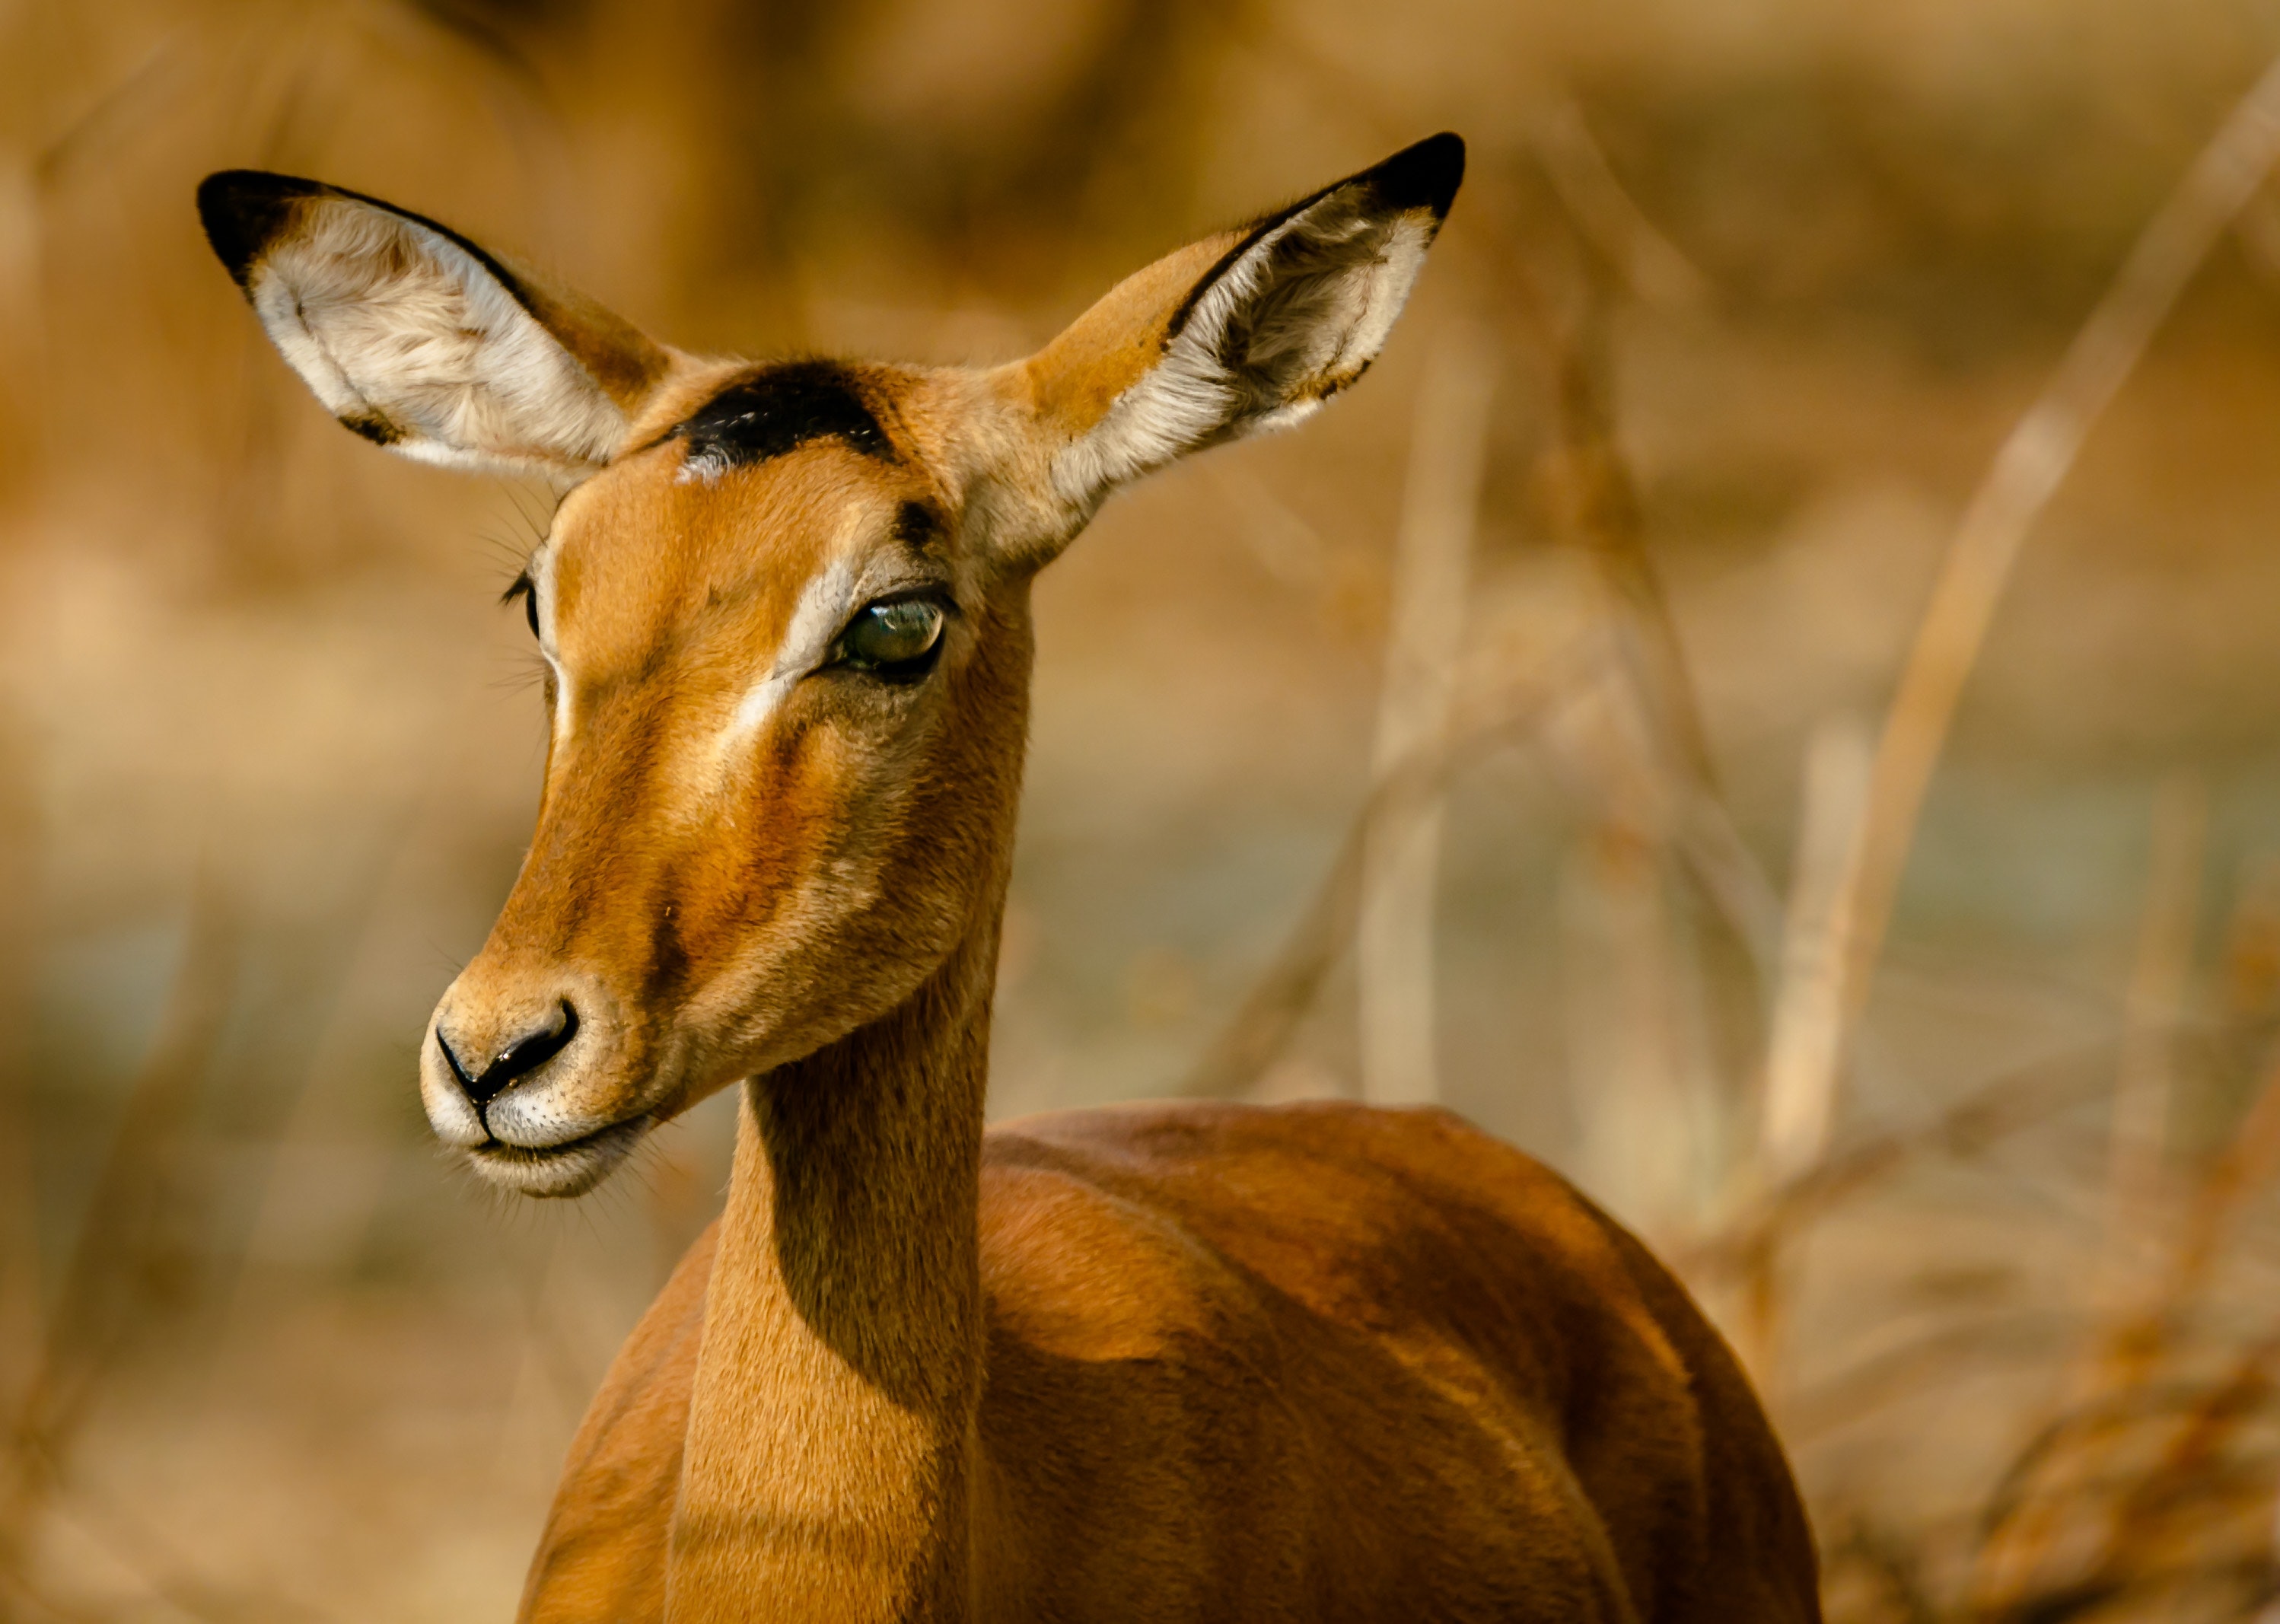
<point>459,1072</point>
<point>530,1053</point>
<point>519,1059</point>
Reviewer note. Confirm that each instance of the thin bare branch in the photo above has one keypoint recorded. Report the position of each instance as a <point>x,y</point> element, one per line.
<point>1804,1053</point>
<point>1269,1015</point>
<point>1596,505</point>
<point>1424,643</point>
<point>2007,1105</point>
<point>2158,986</point>
<point>23,1314</point>
<point>1652,265</point>
<point>2033,461</point>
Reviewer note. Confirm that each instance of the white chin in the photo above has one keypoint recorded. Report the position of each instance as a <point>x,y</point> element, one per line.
<point>560,1170</point>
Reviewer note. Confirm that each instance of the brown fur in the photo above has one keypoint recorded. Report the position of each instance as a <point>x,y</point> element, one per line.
<point>1076,379</point>
<point>1313,1363</point>
<point>1175,1363</point>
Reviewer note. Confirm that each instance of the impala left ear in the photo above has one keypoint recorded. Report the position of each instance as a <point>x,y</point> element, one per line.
<point>419,340</point>
<point>1244,331</point>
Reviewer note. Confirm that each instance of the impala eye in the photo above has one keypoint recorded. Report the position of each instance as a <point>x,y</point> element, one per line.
<point>896,639</point>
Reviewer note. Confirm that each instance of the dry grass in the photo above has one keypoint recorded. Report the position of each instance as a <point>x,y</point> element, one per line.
<point>2150,1490</point>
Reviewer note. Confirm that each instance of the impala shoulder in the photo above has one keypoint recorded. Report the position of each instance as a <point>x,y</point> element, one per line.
<point>1076,1270</point>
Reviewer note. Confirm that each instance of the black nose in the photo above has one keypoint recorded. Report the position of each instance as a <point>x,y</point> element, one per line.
<point>525,1055</point>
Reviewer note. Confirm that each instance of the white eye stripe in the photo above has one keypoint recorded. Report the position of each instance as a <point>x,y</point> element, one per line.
<point>541,570</point>
<point>824,605</point>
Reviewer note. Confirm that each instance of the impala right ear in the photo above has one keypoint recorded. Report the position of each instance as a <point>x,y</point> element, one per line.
<point>418,340</point>
<point>1248,331</point>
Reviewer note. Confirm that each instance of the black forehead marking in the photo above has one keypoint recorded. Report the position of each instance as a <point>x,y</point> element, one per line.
<point>771,412</point>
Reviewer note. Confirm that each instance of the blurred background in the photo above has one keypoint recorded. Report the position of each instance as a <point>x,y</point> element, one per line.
<point>1540,730</point>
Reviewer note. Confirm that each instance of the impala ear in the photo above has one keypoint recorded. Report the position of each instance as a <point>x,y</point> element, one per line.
<point>421,341</point>
<point>1249,330</point>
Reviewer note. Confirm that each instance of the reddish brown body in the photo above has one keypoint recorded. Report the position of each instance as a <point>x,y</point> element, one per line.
<point>1318,1362</point>
<point>1180,1363</point>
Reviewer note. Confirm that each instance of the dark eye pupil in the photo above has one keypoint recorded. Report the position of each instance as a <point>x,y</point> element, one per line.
<point>530,609</point>
<point>893,634</point>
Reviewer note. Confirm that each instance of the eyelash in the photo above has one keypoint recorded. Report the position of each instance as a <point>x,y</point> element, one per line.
<point>526,590</point>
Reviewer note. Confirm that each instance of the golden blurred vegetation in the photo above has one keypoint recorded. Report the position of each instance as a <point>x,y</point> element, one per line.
<point>1518,733</point>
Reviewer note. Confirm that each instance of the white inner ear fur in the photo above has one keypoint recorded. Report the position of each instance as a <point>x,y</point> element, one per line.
<point>391,323</point>
<point>1298,316</point>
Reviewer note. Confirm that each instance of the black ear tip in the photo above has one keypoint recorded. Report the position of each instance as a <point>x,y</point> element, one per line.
<point>242,209</point>
<point>1423,176</point>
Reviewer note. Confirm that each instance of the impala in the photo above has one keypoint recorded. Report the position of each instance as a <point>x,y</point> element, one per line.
<point>1165,1362</point>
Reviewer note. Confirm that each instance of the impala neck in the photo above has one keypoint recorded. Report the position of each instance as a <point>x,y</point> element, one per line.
<point>831,1430</point>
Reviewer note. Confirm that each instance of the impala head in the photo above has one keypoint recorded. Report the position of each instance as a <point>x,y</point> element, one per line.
<point>784,614</point>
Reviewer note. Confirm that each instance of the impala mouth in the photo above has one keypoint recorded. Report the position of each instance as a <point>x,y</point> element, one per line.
<point>570,1168</point>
